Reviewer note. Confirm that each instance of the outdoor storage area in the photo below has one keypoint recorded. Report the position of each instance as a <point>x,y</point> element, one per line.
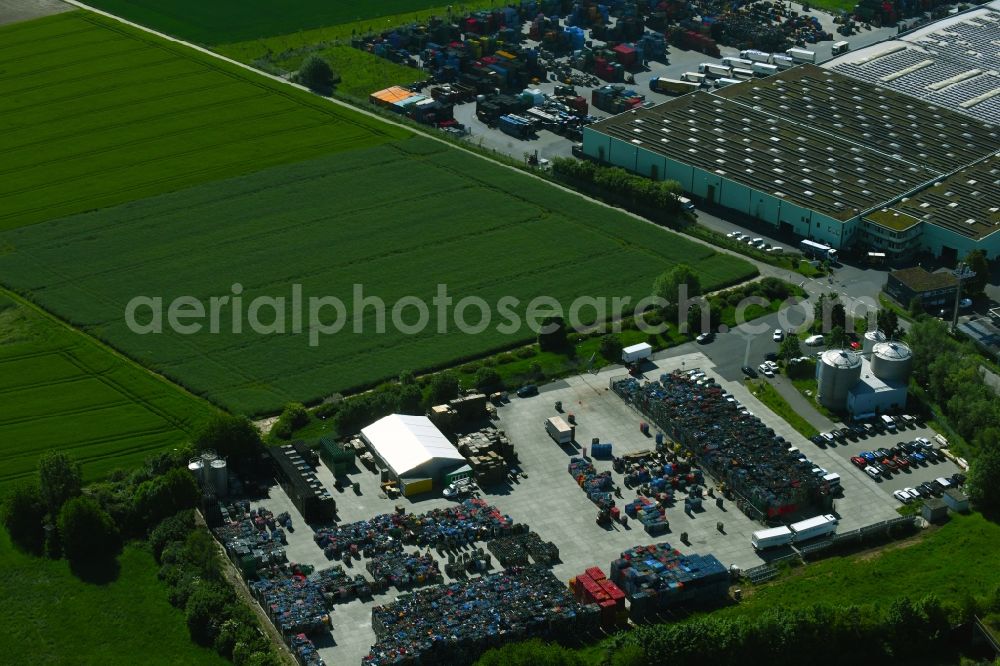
<point>559,496</point>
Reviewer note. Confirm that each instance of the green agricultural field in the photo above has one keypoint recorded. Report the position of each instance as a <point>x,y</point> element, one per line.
<point>399,219</point>
<point>95,114</point>
<point>52,617</point>
<point>60,390</point>
<point>222,21</point>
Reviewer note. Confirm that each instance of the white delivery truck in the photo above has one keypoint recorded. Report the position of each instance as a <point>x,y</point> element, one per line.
<point>776,536</point>
<point>840,47</point>
<point>813,528</point>
<point>637,352</point>
<point>782,61</point>
<point>730,61</point>
<point>713,71</point>
<point>832,479</point>
<point>723,82</point>
<point>740,73</point>
<point>763,69</point>
<point>693,77</point>
<point>755,56</point>
<point>559,430</point>
<point>801,55</point>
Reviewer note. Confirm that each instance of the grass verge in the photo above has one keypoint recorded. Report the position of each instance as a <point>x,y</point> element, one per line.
<point>767,394</point>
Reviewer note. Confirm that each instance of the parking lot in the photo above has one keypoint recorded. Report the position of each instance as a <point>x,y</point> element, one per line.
<point>552,504</point>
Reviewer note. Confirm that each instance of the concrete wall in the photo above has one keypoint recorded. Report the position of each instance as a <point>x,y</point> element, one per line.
<point>624,154</point>
<point>869,402</point>
<point>595,144</point>
<point>735,196</point>
<point>934,238</point>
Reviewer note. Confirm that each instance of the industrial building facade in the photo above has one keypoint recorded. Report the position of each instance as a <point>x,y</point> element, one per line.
<point>811,152</point>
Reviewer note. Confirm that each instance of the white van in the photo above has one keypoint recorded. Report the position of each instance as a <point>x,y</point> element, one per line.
<point>686,204</point>
<point>889,424</point>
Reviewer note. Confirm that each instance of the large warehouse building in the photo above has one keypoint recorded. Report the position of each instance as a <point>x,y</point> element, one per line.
<point>416,453</point>
<point>812,152</point>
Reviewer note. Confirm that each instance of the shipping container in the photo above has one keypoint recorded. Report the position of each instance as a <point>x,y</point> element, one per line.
<point>771,538</point>
<point>743,74</point>
<point>694,77</point>
<point>714,71</point>
<point>723,82</point>
<point>801,55</point>
<point>755,56</point>
<point>730,61</point>
<point>782,61</point>
<point>672,86</point>
<point>559,430</point>
<point>637,352</point>
<point>764,69</point>
<point>814,527</point>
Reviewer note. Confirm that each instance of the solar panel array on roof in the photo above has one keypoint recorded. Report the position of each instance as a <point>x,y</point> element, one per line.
<point>967,203</point>
<point>955,67</point>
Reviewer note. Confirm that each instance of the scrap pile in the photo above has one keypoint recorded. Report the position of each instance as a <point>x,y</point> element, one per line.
<point>592,587</point>
<point>454,624</point>
<point>304,650</point>
<point>295,605</point>
<point>649,513</point>
<point>514,550</point>
<point>598,487</point>
<point>451,527</point>
<point>403,570</point>
<point>658,473</point>
<point>337,586</point>
<point>485,442</point>
<point>727,441</point>
<point>252,537</point>
<point>657,576</point>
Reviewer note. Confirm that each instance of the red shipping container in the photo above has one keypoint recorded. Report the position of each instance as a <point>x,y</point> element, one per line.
<point>595,573</point>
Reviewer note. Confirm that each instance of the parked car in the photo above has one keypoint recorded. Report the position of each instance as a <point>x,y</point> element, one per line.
<point>814,340</point>
<point>930,488</point>
<point>749,372</point>
<point>872,473</point>
<point>958,479</point>
<point>818,440</point>
<point>883,453</point>
<point>765,370</point>
<point>705,337</point>
<point>827,437</point>
<point>901,462</point>
<point>889,464</point>
<point>923,492</point>
<point>965,303</point>
<point>902,496</point>
<point>779,335</point>
<point>527,391</point>
<point>912,492</point>
<point>868,455</point>
<point>859,462</point>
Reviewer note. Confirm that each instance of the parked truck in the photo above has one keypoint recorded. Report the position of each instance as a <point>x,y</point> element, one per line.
<point>742,74</point>
<point>764,69</point>
<point>694,77</point>
<point>813,528</point>
<point>771,538</point>
<point>818,250</point>
<point>755,56</point>
<point>637,352</point>
<point>667,86</point>
<point>782,62</point>
<point>801,55</point>
<point>730,61</point>
<point>714,71</point>
<point>559,430</point>
<point>840,47</point>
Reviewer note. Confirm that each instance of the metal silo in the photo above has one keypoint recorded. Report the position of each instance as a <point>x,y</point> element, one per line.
<point>197,467</point>
<point>892,362</point>
<point>220,477</point>
<point>837,371</point>
<point>872,338</point>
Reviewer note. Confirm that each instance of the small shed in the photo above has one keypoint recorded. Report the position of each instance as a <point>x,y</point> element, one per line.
<point>956,500</point>
<point>935,510</point>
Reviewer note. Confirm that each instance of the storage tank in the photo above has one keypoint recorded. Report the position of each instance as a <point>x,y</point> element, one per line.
<point>892,362</point>
<point>837,372</point>
<point>208,456</point>
<point>220,477</point>
<point>197,467</point>
<point>872,338</point>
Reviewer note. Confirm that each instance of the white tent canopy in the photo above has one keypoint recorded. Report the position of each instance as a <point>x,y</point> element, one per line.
<point>411,445</point>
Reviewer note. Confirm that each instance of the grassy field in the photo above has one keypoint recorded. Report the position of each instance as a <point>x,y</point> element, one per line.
<point>223,21</point>
<point>361,73</point>
<point>399,219</point>
<point>94,114</point>
<point>60,390</point>
<point>52,617</point>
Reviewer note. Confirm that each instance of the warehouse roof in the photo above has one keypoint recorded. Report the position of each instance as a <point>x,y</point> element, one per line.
<point>822,140</point>
<point>952,63</point>
<point>967,203</point>
<point>406,442</point>
<point>920,279</point>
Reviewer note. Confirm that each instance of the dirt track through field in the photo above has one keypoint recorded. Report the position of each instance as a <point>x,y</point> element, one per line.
<point>12,11</point>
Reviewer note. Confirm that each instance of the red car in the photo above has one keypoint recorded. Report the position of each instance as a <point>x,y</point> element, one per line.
<point>891,464</point>
<point>901,462</point>
<point>859,462</point>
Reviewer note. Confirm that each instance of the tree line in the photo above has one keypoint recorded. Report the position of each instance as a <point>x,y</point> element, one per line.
<point>659,194</point>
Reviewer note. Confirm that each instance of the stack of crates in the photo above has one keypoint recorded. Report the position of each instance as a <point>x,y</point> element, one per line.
<point>659,577</point>
<point>592,587</point>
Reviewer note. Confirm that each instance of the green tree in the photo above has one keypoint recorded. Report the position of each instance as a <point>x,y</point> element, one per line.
<point>317,75</point>
<point>232,437</point>
<point>172,529</point>
<point>59,480</point>
<point>165,495</point>
<point>611,348</point>
<point>23,514</point>
<point>552,336</point>
<point>88,534</point>
<point>887,321</point>
<point>679,283</point>
<point>443,387</point>
<point>790,347</point>
<point>488,379</point>
<point>916,308</point>
<point>984,478</point>
<point>204,612</point>
<point>976,261</point>
<point>293,417</point>
<point>836,338</point>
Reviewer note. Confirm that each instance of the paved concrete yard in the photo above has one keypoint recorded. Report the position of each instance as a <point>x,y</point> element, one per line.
<point>554,506</point>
